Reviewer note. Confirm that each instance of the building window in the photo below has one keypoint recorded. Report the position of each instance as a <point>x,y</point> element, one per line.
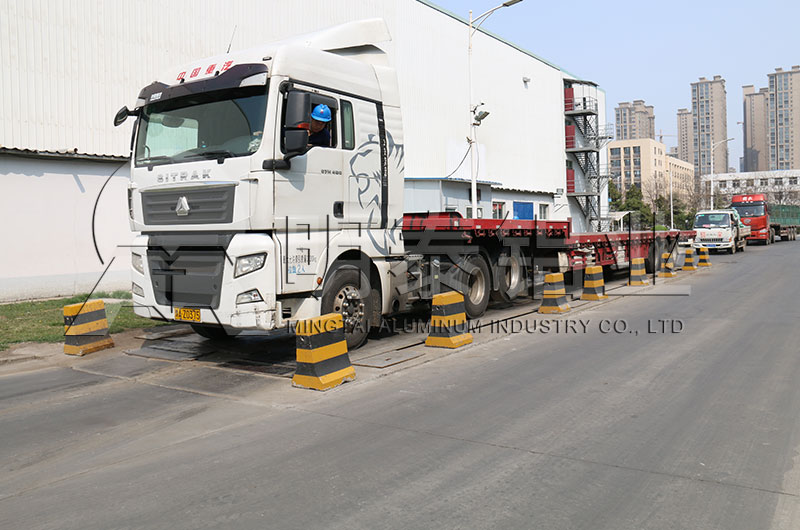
<point>469,213</point>
<point>750,182</point>
<point>498,210</point>
<point>636,150</point>
<point>615,151</point>
<point>735,183</point>
<point>627,151</point>
<point>543,211</point>
<point>764,182</point>
<point>793,181</point>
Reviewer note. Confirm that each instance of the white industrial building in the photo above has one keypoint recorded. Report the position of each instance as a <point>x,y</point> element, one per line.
<point>71,66</point>
<point>781,186</point>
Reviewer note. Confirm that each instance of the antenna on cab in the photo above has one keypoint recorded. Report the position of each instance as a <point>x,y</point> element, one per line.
<point>231,42</point>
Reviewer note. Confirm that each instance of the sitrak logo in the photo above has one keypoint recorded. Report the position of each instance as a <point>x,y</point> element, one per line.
<point>182,208</point>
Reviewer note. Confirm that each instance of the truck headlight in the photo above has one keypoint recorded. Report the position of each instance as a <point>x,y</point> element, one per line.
<point>138,263</point>
<point>249,297</point>
<point>248,264</point>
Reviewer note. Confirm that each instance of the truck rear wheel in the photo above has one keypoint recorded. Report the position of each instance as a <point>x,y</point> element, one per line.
<point>510,276</point>
<point>349,293</point>
<point>478,286</point>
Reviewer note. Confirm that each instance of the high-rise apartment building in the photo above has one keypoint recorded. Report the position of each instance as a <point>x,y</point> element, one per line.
<point>756,129</point>
<point>710,125</point>
<point>784,118</point>
<point>685,134</point>
<point>635,120</point>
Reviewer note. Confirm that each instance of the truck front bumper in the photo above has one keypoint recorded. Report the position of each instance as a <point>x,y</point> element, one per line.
<point>225,310</point>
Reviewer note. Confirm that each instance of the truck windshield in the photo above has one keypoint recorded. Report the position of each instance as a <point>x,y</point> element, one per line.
<point>708,220</point>
<point>225,123</point>
<point>749,210</point>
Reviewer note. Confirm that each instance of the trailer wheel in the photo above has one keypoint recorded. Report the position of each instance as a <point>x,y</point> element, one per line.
<point>477,285</point>
<point>211,331</point>
<point>510,274</point>
<point>348,292</point>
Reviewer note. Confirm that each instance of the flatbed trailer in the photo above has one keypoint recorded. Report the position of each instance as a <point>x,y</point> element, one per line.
<point>442,245</point>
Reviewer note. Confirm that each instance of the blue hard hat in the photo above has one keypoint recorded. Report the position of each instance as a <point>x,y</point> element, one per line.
<point>321,113</point>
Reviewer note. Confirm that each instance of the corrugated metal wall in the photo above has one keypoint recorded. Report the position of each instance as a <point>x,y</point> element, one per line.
<point>70,64</point>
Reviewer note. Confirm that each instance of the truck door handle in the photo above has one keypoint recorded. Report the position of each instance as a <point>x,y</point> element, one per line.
<point>338,209</point>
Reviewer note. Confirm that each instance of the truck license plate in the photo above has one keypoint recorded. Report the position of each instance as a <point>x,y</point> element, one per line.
<point>187,314</point>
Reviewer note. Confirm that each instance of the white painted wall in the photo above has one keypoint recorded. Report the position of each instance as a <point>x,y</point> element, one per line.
<point>46,213</point>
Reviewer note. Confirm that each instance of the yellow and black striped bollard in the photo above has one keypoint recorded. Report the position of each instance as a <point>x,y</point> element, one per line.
<point>638,274</point>
<point>594,286</point>
<point>449,328</point>
<point>86,328</point>
<point>554,299</point>
<point>667,266</point>
<point>688,262</point>
<point>704,260</point>
<point>322,359</point>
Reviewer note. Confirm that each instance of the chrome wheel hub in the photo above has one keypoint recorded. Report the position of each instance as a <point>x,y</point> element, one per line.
<point>349,303</point>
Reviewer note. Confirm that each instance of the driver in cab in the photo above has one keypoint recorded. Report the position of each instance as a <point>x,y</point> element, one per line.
<point>319,134</point>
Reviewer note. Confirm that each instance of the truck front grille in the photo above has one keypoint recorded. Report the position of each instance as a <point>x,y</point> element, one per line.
<point>710,240</point>
<point>186,270</point>
<point>206,205</point>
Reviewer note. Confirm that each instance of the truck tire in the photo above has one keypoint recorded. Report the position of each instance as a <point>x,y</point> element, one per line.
<point>478,285</point>
<point>732,250</point>
<point>510,275</point>
<point>211,331</point>
<point>349,293</point>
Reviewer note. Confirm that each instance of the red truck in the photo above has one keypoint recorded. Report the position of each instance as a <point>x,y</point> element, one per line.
<point>767,220</point>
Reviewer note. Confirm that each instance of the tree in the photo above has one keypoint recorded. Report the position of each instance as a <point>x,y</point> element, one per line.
<point>635,203</point>
<point>615,195</point>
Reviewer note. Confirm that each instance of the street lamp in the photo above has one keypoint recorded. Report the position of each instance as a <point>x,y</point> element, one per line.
<point>714,146</point>
<point>473,122</point>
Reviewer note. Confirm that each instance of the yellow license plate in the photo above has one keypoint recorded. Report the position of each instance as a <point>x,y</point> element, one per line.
<point>186,314</point>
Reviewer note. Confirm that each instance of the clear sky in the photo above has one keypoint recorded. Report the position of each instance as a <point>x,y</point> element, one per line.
<point>653,50</point>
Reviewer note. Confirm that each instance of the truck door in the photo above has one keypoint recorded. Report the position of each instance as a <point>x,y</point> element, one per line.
<point>314,186</point>
<point>309,198</point>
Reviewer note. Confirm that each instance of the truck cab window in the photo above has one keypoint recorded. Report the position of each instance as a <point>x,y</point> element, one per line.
<point>348,127</point>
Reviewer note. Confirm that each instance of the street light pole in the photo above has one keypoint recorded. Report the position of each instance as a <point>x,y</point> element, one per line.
<point>671,212</point>
<point>473,170</point>
<point>714,146</point>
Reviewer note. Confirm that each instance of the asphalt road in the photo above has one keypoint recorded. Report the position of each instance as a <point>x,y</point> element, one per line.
<point>571,430</point>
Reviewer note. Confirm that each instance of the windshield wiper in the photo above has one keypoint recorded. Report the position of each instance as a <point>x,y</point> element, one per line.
<point>219,154</point>
<point>152,160</point>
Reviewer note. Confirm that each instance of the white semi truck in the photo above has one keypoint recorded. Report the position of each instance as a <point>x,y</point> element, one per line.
<point>245,225</point>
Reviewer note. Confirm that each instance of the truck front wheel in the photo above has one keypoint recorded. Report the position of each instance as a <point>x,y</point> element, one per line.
<point>349,293</point>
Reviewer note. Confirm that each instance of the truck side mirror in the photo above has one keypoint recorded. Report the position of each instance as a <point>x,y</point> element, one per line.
<point>297,121</point>
<point>122,115</point>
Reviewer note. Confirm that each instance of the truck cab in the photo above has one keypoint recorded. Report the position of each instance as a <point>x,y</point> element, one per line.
<point>754,213</point>
<point>244,223</point>
<point>720,230</point>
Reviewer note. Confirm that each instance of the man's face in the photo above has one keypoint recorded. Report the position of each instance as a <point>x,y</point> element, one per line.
<point>316,126</point>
